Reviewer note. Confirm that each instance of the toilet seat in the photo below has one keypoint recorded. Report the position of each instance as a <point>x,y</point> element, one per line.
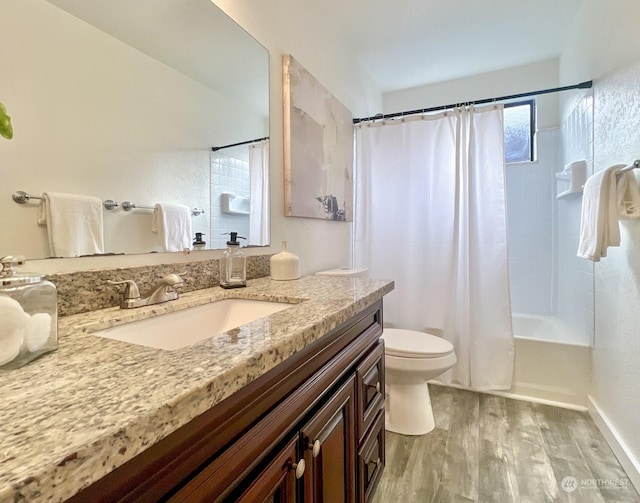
<point>412,344</point>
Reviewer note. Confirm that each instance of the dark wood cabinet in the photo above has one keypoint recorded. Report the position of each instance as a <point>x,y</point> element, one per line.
<point>277,482</point>
<point>310,430</point>
<point>329,444</point>
<point>371,459</point>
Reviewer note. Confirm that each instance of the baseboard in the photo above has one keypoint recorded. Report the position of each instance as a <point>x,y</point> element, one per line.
<point>516,396</point>
<point>626,458</point>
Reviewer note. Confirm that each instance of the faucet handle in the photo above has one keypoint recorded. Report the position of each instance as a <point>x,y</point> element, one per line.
<point>131,291</point>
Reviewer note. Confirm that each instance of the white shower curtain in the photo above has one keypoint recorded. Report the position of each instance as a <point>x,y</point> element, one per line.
<point>259,204</point>
<point>430,214</point>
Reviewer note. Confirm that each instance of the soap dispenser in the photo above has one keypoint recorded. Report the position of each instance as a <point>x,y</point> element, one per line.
<point>233,264</point>
<point>28,315</point>
<point>198,242</point>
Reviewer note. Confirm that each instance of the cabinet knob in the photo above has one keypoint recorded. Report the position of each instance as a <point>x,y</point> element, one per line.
<point>376,386</point>
<point>375,462</point>
<point>315,448</point>
<point>299,468</point>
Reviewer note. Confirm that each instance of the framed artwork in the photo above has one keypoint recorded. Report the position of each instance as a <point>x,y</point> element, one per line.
<point>318,148</point>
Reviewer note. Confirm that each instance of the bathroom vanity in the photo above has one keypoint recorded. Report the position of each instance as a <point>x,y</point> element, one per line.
<point>286,408</point>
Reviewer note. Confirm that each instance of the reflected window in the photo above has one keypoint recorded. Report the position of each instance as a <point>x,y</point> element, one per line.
<point>519,126</point>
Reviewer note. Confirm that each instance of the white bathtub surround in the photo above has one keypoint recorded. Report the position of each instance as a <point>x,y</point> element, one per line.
<point>418,180</point>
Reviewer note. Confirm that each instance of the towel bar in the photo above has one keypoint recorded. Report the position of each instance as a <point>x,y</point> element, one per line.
<point>128,206</point>
<point>22,197</point>
<point>635,165</point>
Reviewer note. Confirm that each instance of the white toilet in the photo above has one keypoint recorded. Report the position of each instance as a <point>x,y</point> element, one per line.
<point>411,359</point>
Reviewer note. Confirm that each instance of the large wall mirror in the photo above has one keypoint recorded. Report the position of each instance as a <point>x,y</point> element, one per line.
<point>125,100</point>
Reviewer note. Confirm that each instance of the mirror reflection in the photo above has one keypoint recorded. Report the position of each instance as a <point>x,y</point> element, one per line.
<point>125,101</point>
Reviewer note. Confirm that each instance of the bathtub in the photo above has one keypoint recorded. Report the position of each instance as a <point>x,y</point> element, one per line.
<point>552,365</point>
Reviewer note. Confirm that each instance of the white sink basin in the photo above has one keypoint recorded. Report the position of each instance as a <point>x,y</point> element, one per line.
<point>183,328</point>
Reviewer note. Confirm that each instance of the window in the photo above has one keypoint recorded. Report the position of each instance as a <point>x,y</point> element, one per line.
<point>519,126</point>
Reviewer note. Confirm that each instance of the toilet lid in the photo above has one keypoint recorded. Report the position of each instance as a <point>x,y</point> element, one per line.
<point>412,344</point>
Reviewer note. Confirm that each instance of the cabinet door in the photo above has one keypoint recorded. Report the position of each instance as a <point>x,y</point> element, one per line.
<point>328,441</point>
<point>369,389</point>
<point>371,460</point>
<point>276,483</point>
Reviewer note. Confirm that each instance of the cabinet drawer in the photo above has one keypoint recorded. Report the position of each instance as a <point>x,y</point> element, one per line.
<point>370,388</point>
<point>371,459</point>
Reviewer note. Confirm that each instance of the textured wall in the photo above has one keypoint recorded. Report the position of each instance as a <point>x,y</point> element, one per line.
<point>616,357</point>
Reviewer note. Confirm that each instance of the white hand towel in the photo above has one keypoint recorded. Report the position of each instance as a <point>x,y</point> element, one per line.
<point>74,224</point>
<point>599,223</point>
<point>172,223</point>
<point>628,195</point>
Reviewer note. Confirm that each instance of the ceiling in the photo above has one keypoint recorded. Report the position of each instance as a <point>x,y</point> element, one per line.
<point>408,43</point>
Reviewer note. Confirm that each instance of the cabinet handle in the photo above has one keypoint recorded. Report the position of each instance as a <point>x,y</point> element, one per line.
<point>374,462</point>
<point>315,448</point>
<point>299,468</point>
<point>376,386</point>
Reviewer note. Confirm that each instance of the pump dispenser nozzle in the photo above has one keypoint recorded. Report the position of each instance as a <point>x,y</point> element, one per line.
<point>234,238</point>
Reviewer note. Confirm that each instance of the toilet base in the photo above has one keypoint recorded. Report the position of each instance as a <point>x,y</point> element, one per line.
<point>408,409</point>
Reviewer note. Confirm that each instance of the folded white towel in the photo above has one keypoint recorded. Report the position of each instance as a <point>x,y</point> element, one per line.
<point>74,224</point>
<point>172,223</point>
<point>628,195</point>
<point>599,223</point>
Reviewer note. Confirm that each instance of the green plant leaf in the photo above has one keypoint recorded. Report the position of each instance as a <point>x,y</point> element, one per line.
<point>6,129</point>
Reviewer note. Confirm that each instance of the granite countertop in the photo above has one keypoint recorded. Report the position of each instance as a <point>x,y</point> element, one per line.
<point>74,415</point>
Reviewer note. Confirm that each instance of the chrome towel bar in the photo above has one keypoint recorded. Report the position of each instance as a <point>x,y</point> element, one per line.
<point>22,197</point>
<point>128,206</point>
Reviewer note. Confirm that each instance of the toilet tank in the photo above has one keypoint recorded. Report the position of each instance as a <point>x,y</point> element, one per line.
<point>346,272</point>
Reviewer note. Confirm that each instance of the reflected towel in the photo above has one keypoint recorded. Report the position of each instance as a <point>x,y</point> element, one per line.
<point>74,224</point>
<point>172,223</point>
<point>628,195</point>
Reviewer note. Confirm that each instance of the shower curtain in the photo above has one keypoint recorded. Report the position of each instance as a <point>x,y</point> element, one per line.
<point>430,214</point>
<point>259,204</point>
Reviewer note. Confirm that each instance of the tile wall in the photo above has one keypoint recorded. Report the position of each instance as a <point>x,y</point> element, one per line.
<point>573,277</point>
<point>529,193</point>
<point>229,173</point>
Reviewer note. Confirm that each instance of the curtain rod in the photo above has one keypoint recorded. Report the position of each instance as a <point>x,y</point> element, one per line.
<point>583,85</point>
<point>240,143</point>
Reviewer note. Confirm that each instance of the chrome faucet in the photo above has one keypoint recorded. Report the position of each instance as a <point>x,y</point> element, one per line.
<point>163,291</point>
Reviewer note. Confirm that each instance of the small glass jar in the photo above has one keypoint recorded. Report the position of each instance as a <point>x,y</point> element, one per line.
<point>28,315</point>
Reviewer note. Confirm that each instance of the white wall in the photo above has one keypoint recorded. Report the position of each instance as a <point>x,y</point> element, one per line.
<point>601,46</point>
<point>519,79</point>
<point>290,28</point>
<point>282,27</point>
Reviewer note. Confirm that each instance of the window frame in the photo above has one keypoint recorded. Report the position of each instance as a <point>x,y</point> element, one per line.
<point>532,126</point>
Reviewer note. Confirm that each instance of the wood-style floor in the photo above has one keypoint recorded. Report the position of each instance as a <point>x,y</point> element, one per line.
<point>491,449</point>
